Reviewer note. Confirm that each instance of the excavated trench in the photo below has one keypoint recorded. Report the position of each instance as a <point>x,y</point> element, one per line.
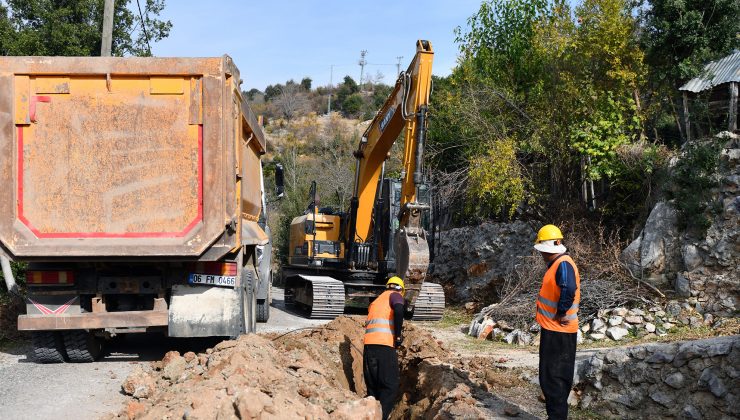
<point>316,373</point>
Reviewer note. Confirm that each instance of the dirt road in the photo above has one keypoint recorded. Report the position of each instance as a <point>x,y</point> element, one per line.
<point>90,390</point>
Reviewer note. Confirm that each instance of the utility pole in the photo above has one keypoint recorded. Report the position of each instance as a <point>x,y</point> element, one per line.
<point>362,63</point>
<point>107,39</point>
<point>398,64</point>
<point>331,76</point>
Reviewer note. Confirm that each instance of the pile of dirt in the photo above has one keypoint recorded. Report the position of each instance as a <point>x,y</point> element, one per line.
<point>314,373</point>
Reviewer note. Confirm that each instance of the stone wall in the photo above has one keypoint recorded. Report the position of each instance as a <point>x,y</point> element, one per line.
<point>694,379</point>
<point>470,261</point>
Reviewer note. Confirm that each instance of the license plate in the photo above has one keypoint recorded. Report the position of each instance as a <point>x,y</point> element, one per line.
<point>212,280</point>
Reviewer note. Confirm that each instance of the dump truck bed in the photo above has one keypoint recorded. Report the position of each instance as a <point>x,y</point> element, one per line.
<point>126,157</point>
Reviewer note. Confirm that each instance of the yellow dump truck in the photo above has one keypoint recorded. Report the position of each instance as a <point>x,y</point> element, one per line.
<point>133,189</point>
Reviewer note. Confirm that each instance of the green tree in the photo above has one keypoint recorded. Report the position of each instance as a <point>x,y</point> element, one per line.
<point>73,27</point>
<point>681,36</point>
<point>306,83</point>
<point>352,105</point>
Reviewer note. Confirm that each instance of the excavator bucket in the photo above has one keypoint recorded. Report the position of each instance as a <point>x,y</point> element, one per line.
<point>412,257</point>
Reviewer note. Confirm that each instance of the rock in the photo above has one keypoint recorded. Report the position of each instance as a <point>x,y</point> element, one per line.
<point>573,399</point>
<point>189,356</point>
<point>660,357</point>
<point>682,286</point>
<point>135,409</point>
<point>619,312</point>
<point>579,337</point>
<point>251,403</point>
<point>690,412</point>
<point>675,380</point>
<point>598,325</point>
<point>710,380</point>
<point>173,365</point>
<point>662,398</point>
<point>667,326</point>
<point>650,327</point>
<point>616,333</point>
<point>597,336</point>
<point>636,312</point>
<point>586,327</point>
<point>691,257</point>
<point>535,328</point>
<point>695,322</point>
<point>226,344</point>
<point>708,319</point>
<point>367,408</point>
<point>518,337</point>
<point>615,320</point>
<point>470,306</point>
<point>673,308</point>
<point>633,319</point>
<point>656,251</point>
<point>139,384</point>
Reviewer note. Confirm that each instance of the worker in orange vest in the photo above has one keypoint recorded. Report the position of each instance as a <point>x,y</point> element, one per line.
<point>382,337</point>
<point>557,314</point>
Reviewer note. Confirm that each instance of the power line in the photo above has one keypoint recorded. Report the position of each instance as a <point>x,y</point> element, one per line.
<point>143,26</point>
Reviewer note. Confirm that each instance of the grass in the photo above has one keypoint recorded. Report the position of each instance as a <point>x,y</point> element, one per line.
<point>455,316</point>
<point>677,333</point>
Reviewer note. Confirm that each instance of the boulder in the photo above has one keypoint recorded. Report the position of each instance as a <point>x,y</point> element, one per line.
<point>650,327</point>
<point>139,384</point>
<point>616,333</point>
<point>615,320</point>
<point>655,253</point>
<point>598,325</point>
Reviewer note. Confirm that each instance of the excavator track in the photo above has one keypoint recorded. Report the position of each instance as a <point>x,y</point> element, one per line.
<point>324,296</point>
<point>430,304</point>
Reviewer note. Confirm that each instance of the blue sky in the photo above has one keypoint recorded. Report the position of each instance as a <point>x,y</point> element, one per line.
<point>272,41</point>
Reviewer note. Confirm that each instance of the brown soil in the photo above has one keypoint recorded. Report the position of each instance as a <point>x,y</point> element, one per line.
<point>316,374</point>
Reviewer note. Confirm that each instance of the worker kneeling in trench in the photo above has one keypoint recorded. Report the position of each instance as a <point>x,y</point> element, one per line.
<point>382,337</point>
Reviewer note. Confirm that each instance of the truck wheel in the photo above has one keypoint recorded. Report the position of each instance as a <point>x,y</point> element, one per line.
<point>48,347</point>
<point>82,346</point>
<point>249,300</point>
<point>263,310</point>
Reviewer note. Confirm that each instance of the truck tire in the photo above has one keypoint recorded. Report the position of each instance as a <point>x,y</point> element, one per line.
<point>248,299</point>
<point>263,310</point>
<point>48,347</point>
<point>82,346</point>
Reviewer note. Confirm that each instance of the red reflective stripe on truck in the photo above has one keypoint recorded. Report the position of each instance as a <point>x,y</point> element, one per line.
<point>58,235</point>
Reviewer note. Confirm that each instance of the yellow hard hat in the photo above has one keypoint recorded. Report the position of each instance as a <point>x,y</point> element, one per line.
<point>549,233</point>
<point>549,240</point>
<point>395,280</point>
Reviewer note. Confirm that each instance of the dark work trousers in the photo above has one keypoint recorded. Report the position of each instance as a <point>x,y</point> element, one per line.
<point>557,364</point>
<point>382,377</point>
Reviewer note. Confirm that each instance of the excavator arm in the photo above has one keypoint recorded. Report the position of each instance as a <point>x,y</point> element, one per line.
<point>405,111</point>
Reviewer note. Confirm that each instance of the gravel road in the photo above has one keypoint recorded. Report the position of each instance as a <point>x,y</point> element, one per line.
<point>91,390</point>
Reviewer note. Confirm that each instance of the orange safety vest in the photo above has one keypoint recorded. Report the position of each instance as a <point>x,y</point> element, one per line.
<point>547,301</point>
<point>379,325</point>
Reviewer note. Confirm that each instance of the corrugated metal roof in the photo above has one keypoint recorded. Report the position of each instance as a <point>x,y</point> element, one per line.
<point>716,73</point>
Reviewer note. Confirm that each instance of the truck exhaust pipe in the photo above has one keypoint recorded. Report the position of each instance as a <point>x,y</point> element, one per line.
<point>8,275</point>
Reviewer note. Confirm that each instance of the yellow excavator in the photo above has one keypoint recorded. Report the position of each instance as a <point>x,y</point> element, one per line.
<point>339,259</point>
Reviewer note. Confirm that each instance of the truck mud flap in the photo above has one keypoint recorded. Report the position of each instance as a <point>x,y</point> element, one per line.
<point>203,311</point>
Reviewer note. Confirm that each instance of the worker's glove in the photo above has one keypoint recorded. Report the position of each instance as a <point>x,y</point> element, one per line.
<point>399,341</point>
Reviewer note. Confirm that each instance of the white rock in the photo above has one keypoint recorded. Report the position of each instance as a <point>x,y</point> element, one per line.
<point>579,337</point>
<point>633,319</point>
<point>597,336</point>
<point>598,325</point>
<point>616,333</point>
<point>615,320</point>
<point>650,327</point>
<point>586,327</point>
<point>619,311</point>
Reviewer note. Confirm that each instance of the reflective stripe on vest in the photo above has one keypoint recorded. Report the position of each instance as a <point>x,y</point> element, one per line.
<point>549,295</point>
<point>379,324</point>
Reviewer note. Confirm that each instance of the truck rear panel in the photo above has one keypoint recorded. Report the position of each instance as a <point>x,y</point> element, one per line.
<point>126,157</point>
